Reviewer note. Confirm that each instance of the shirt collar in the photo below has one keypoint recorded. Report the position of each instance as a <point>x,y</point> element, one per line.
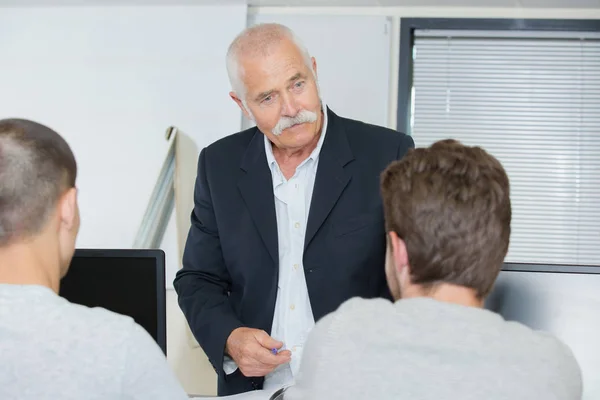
<point>315,153</point>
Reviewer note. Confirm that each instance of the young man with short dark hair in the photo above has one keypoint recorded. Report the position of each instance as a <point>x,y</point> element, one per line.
<point>448,213</point>
<point>50,348</point>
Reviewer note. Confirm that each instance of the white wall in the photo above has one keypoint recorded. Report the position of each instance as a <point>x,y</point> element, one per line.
<point>111,80</point>
<point>396,13</point>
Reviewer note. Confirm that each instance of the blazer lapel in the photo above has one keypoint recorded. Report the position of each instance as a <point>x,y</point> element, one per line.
<point>332,178</point>
<point>256,187</point>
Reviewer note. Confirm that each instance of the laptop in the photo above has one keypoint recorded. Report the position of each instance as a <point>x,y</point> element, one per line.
<point>127,281</point>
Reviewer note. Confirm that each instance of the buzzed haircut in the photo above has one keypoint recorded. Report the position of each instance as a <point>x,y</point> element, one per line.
<point>36,167</point>
<point>450,204</point>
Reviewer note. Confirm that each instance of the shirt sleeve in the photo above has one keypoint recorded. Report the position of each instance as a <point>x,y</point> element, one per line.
<point>146,374</point>
<point>229,366</point>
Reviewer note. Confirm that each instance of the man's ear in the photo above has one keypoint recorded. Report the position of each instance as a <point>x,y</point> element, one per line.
<point>399,253</point>
<point>68,209</point>
<point>240,104</point>
<point>314,66</point>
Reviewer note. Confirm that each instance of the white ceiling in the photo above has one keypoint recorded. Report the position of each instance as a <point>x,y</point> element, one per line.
<point>588,4</point>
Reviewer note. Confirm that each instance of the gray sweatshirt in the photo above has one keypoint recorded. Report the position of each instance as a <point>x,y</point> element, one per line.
<point>53,349</point>
<point>423,349</point>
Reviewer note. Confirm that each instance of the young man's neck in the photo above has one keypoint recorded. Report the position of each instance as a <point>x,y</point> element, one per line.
<point>446,292</point>
<point>28,264</point>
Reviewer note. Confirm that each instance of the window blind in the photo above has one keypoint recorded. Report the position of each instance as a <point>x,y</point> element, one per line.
<point>532,99</point>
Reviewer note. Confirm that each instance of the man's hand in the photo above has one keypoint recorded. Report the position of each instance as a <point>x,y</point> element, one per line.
<point>251,350</point>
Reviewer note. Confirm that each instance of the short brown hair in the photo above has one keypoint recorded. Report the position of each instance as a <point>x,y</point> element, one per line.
<point>36,167</point>
<point>450,204</point>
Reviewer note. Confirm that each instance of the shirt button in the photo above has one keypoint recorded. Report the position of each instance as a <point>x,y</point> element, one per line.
<point>296,186</point>
<point>294,348</point>
<point>292,307</point>
<point>296,266</point>
<point>297,225</point>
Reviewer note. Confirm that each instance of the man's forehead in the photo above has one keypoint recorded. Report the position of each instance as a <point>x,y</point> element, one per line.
<point>264,75</point>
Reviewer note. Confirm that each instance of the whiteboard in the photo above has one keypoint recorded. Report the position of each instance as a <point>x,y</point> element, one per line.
<point>353,60</point>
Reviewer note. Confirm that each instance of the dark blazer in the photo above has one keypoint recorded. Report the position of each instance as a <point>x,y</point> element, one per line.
<point>230,264</point>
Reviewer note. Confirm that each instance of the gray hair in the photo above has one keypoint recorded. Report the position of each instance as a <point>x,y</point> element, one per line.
<point>36,166</point>
<point>256,41</point>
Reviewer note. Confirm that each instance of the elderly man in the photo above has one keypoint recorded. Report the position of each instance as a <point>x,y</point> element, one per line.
<point>50,348</point>
<point>448,213</point>
<point>288,219</point>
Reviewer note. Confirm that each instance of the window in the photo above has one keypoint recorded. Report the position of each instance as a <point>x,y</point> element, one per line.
<point>532,99</point>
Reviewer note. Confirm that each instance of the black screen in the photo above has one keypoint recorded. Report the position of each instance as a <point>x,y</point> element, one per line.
<point>125,285</point>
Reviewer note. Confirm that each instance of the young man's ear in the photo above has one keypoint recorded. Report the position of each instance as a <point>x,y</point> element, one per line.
<point>399,254</point>
<point>68,209</point>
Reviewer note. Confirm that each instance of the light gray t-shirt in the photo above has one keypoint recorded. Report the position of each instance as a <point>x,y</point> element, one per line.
<point>423,349</point>
<point>53,349</point>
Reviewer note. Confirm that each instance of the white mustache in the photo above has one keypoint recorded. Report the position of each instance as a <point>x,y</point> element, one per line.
<point>302,117</point>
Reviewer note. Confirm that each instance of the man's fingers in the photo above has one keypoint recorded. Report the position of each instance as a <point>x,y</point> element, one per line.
<point>256,372</point>
<point>285,353</point>
<point>267,341</point>
<point>257,358</point>
<point>260,361</point>
<point>264,356</point>
<point>254,368</point>
<point>255,353</point>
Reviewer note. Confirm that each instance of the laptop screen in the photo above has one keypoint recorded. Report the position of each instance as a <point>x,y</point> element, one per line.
<point>128,282</point>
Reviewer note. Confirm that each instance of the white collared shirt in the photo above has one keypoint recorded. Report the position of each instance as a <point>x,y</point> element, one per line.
<point>293,318</point>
